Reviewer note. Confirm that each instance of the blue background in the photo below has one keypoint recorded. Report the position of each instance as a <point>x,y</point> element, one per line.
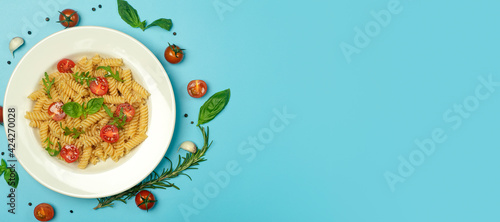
<point>352,119</point>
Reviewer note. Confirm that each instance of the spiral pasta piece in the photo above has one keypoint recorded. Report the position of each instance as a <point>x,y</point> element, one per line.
<point>113,99</point>
<point>96,60</point>
<point>94,118</point>
<point>111,62</point>
<point>37,116</point>
<point>99,152</point>
<point>143,93</point>
<point>37,94</point>
<point>134,141</point>
<point>44,131</point>
<point>108,148</point>
<point>85,157</point>
<point>36,123</point>
<point>131,127</point>
<point>144,118</point>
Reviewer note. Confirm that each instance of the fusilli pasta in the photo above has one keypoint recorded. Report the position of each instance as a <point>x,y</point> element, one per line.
<point>92,148</point>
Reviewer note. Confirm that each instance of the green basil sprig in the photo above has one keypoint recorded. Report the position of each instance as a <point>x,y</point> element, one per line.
<point>110,73</point>
<point>119,121</point>
<point>7,176</point>
<point>75,110</point>
<point>131,17</point>
<point>52,152</point>
<point>47,84</point>
<point>68,131</point>
<point>84,76</point>
<point>213,106</point>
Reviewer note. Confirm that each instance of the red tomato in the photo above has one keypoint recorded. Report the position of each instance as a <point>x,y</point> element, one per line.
<point>145,200</point>
<point>109,133</point>
<point>65,66</point>
<point>56,112</point>
<point>44,212</point>
<point>68,18</point>
<point>1,115</point>
<point>197,88</point>
<point>174,54</point>
<point>99,86</point>
<point>70,153</point>
<point>127,110</point>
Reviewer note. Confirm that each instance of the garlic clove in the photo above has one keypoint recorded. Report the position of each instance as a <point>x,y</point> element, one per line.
<point>188,146</point>
<point>15,43</point>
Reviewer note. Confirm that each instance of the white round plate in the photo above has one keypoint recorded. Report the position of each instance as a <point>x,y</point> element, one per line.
<point>109,177</point>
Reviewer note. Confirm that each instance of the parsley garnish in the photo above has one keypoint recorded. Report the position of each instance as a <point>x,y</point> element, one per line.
<point>47,84</point>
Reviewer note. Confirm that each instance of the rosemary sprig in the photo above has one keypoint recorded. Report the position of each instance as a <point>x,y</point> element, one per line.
<point>160,181</point>
<point>47,84</point>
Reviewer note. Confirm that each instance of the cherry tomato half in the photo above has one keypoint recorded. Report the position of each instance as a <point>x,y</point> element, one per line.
<point>174,54</point>
<point>56,112</point>
<point>127,110</point>
<point>44,212</point>
<point>99,86</point>
<point>145,200</point>
<point>197,88</point>
<point>68,18</point>
<point>70,153</point>
<point>65,66</point>
<point>109,133</point>
<point>1,115</point>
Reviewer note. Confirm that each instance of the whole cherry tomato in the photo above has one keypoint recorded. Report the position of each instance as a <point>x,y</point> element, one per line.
<point>174,54</point>
<point>145,200</point>
<point>68,18</point>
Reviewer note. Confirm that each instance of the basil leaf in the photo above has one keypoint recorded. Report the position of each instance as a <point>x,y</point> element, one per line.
<point>94,105</point>
<point>13,182</point>
<point>162,23</point>
<point>129,14</point>
<point>213,106</point>
<point>73,109</point>
<point>3,167</point>
<point>53,152</point>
